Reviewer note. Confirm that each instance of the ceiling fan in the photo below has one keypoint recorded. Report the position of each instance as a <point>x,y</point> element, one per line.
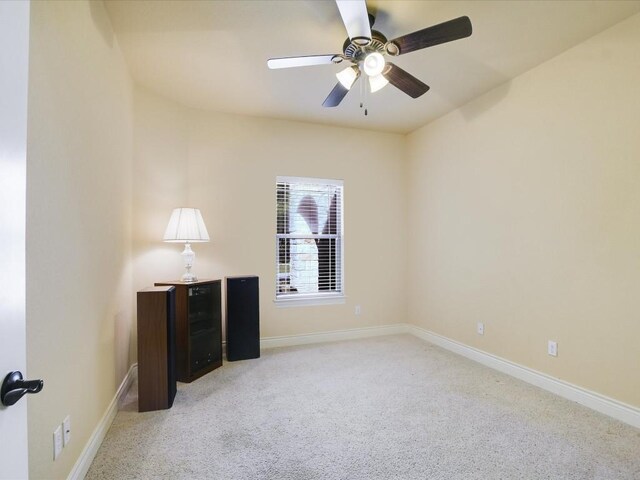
<point>365,49</point>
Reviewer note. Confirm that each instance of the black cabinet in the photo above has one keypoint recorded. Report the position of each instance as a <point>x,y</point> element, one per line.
<point>198,328</point>
<point>242,318</point>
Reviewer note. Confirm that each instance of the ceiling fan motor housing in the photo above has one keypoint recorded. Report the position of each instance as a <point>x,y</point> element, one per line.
<point>356,53</point>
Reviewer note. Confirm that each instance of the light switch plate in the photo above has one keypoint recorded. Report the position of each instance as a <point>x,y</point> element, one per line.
<point>66,430</point>
<point>57,442</point>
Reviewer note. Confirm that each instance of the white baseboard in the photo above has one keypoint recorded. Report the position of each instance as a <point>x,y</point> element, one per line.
<point>600,403</point>
<point>83,463</point>
<point>321,337</point>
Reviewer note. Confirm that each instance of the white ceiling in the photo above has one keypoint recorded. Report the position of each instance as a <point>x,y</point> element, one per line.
<point>213,54</point>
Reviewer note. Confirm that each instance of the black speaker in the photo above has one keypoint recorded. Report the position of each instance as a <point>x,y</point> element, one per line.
<point>242,318</point>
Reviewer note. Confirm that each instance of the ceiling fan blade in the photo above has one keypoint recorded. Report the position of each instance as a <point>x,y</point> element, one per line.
<point>336,96</point>
<point>405,81</point>
<point>305,61</point>
<point>356,20</point>
<point>428,37</point>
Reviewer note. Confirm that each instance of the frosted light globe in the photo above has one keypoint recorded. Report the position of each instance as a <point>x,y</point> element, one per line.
<point>373,64</point>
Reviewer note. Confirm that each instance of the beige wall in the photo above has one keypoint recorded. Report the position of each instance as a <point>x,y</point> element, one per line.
<point>525,215</point>
<point>522,212</point>
<point>79,293</point>
<point>227,165</point>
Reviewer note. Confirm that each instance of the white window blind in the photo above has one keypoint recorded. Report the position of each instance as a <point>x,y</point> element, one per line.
<point>309,241</point>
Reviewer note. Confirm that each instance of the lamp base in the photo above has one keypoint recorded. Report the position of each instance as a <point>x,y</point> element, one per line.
<point>189,277</point>
<point>188,256</point>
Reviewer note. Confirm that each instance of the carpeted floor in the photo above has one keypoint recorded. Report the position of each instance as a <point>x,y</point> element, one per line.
<point>390,407</point>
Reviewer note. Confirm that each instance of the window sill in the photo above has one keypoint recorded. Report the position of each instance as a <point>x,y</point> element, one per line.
<point>307,301</point>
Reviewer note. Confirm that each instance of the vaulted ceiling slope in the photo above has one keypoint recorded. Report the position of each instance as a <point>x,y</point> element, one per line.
<point>213,54</point>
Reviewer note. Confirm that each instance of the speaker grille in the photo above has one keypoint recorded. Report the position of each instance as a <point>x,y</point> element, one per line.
<point>242,318</point>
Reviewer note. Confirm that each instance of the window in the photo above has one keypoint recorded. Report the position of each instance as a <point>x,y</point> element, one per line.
<point>309,239</point>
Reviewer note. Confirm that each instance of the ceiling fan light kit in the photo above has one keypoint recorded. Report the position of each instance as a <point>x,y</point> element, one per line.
<point>377,82</point>
<point>366,48</point>
<point>373,64</point>
<point>348,76</point>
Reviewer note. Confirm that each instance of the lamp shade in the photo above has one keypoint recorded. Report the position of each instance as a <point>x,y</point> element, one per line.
<point>348,76</point>
<point>373,64</point>
<point>186,225</point>
<point>378,82</point>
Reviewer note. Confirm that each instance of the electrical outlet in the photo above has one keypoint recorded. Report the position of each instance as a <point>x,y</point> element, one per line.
<point>57,442</point>
<point>552,348</point>
<point>358,310</point>
<point>480,328</point>
<point>66,430</point>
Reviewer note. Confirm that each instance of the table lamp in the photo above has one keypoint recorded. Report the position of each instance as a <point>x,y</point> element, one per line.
<point>186,225</point>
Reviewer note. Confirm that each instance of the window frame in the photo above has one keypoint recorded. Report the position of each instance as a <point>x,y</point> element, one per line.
<point>317,298</point>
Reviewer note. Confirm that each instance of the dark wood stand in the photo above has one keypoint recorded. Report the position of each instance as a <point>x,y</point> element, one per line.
<point>156,346</point>
<point>198,328</point>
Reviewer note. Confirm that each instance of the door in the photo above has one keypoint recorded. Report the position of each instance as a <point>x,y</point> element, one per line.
<point>14,62</point>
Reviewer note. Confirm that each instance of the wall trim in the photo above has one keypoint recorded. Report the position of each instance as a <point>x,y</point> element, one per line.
<point>620,411</point>
<point>83,463</point>
<point>595,401</point>
<point>600,403</point>
<point>332,336</point>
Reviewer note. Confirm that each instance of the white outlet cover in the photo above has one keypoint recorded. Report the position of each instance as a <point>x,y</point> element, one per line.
<point>552,348</point>
<point>57,442</point>
<point>358,310</point>
<point>66,430</point>
<point>480,328</point>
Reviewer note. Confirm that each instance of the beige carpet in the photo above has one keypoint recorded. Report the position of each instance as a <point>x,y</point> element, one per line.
<point>384,408</point>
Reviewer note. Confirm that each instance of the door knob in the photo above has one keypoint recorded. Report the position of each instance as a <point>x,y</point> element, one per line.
<point>14,387</point>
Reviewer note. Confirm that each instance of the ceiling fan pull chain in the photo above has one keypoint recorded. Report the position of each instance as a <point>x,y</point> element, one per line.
<point>365,88</point>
